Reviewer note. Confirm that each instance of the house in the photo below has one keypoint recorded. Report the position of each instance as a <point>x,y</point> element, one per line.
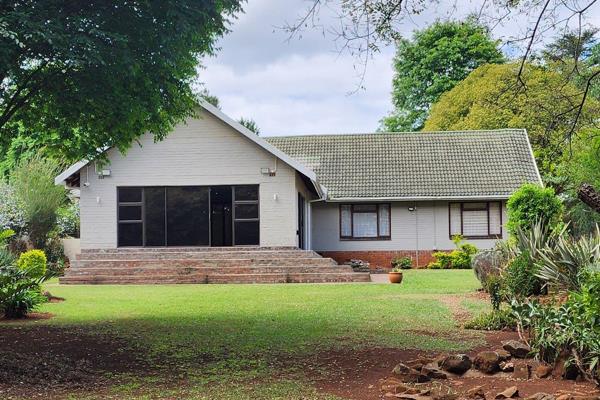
<point>213,184</point>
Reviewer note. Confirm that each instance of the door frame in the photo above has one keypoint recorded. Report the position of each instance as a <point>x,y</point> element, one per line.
<point>301,231</point>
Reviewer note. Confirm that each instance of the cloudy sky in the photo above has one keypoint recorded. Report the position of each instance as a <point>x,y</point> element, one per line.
<point>303,85</point>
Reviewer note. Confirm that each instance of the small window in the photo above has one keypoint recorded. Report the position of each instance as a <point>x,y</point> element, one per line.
<point>477,220</point>
<point>365,221</point>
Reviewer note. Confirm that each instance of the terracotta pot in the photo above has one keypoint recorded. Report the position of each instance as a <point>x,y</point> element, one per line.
<point>395,277</point>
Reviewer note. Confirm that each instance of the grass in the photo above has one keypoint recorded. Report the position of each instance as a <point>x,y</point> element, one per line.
<point>241,331</point>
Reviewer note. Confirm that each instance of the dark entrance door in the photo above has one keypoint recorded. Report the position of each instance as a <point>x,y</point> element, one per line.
<point>221,227</point>
<point>301,222</point>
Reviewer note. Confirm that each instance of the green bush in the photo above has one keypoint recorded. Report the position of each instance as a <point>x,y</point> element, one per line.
<point>520,277</point>
<point>402,263</point>
<point>33,262</point>
<point>456,259</point>
<point>20,293</point>
<point>493,321</point>
<point>494,285</point>
<point>532,203</point>
<point>67,221</point>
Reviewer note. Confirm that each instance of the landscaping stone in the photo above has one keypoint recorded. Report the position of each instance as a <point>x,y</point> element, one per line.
<point>487,361</point>
<point>506,366</point>
<point>419,362</point>
<point>508,393</point>
<point>516,348</point>
<point>409,375</point>
<point>443,392</point>
<point>476,393</point>
<point>401,369</point>
<point>562,369</point>
<point>393,385</point>
<point>503,354</point>
<point>541,396</point>
<point>522,371</point>
<point>457,364</point>
<point>543,371</point>
<point>433,373</point>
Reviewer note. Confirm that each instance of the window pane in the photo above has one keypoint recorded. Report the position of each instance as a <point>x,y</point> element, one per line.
<point>130,234</point>
<point>246,193</point>
<point>130,213</point>
<point>154,209</point>
<point>130,195</point>
<point>246,232</point>
<point>384,220</point>
<point>474,206</point>
<point>475,223</point>
<point>495,218</point>
<point>365,224</point>
<point>187,216</point>
<point>365,208</point>
<point>246,211</point>
<point>455,219</point>
<point>346,216</point>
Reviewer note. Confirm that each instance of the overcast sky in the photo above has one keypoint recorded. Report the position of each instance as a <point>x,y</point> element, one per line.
<point>302,86</point>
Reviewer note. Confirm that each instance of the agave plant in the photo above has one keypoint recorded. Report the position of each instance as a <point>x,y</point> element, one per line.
<point>563,263</point>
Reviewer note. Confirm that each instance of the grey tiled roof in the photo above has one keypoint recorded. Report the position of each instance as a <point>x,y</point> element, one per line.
<point>416,165</point>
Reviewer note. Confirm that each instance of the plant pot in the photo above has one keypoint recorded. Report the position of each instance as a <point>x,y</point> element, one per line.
<point>395,277</point>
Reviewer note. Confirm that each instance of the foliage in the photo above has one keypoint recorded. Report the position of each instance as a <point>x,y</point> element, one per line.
<point>33,263</point>
<point>55,254</point>
<point>359,265</point>
<point>250,124</point>
<point>532,203</point>
<point>494,320</point>
<point>494,285</point>
<point>80,76</point>
<point>433,62</point>
<point>460,258</point>
<point>19,292</point>
<point>12,212</point>
<point>33,181</point>
<point>6,257</point>
<point>402,263</point>
<point>520,277</point>
<point>492,98</point>
<point>569,259</point>
<point>67,220</point>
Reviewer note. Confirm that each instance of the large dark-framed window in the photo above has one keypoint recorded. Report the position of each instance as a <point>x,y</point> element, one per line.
<point>158,216</point>
<point>365,221</point>
<point>475,220</point>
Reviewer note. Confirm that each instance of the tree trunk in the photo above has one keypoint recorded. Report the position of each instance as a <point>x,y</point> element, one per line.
<point>589,196</point>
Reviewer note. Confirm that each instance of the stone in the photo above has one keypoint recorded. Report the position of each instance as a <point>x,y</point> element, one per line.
<point>543,371</point>
<point>522,371</point>
<point>564,369</point>
<point>540,396</point>
<point>516,348</point>
<point>401,369</point>
<point>487,361</point>
<point>433,373</point>
<point>503,354</point>
<point>457,364</point>
<point>393,385</point>
<point>506,366</point>
<point>442,392</point>
<point>419,362</point>
<point>508,393</point>
<point>476,393</point>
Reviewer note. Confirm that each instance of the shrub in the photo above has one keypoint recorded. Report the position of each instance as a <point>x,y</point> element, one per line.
<point>19,292</point>
<point>359,266</point>
<point>55,255</point>
<point>67,221</point>
<point>520,277</point>
<point>12,211</point>
<point>33,263</point>
<point>6,257</point>
<point>495,287</point>
<point>487,263</point>
<point>532,203</point>
<point>33,182</point>
<point>402,263</point>
<point>456,259</point>
<point>493,321</point>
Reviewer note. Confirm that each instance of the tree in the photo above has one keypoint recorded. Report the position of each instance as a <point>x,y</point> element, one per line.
<point>250,124</point>
<point>531,204</point>
<point>433,62</point>
<point>490,98</point>
<point>81,76</point>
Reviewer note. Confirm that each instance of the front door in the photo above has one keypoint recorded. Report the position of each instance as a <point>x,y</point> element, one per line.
<point>301,222</point>
<point>221,227</point>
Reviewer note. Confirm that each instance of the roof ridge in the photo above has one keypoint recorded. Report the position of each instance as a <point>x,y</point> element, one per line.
<point>416,133</point>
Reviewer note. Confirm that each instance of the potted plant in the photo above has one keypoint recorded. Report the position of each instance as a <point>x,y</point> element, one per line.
<point>398,264</point>
<point>395,275</point>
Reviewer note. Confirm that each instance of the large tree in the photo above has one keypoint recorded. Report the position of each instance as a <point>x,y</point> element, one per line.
<point>82,75</point>
<point>433,62</point>
<point>490,98</point>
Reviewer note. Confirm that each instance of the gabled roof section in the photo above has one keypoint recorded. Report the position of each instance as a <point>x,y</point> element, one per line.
<point>417,165</point>
<point>292,162</point>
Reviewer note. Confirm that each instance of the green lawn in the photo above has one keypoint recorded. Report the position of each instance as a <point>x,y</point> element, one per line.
<point>245,331</point>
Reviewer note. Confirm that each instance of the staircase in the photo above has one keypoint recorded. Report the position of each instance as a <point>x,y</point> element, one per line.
<point>206,265</point>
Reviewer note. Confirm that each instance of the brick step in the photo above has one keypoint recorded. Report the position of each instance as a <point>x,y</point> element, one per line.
<point>166,270</point>
<point>220,278</point>
<point>176,255</point>
<point>217,263</point>
<point>193,249</point>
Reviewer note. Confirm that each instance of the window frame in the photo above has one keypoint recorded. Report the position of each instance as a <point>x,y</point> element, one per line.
<point>462,223</point>
<point>352,212</point>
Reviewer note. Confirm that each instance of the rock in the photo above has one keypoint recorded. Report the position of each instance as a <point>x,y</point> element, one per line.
<point>419,362</point>
<point>393,385</point>
<point>401,369</point>
<point>543,371</point>
<point>522,371</point>
<point>564,369</point>
<point>540,396</point>
<point>506,366</point>
<point>487,361</point>
<point>443,392</point>
<point>503,354</point>
<point>409,375</point>
<point>516,348</point>
<point>508,393</point>
<point>476,393</point>
<point>457,364</point>
<point>433,373</point>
